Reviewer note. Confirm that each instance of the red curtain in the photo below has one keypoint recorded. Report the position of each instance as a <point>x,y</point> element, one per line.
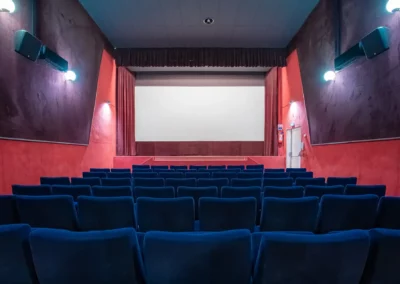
<point>126,144</point>
<point>271,113</point>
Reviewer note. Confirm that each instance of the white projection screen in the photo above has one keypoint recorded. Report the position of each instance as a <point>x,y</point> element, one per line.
<point>199,113</point>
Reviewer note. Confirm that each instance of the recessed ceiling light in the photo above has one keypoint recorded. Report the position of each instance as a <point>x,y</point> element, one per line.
<point>208,21</point>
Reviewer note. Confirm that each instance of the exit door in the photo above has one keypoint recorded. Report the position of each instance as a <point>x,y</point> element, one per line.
<point>293,148</point>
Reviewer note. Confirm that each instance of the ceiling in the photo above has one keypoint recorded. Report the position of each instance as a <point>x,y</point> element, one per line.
<point>179,23</point>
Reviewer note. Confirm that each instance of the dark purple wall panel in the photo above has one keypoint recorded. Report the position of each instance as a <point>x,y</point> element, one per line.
<point>36,103</point>
<point>363,102</point>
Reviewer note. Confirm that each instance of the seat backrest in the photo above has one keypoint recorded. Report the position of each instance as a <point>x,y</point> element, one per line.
<point>222,167</point>
<point>276,175</point>
<point>274,170</point>
<point>197,175</point>
<point>194,167</point>
<point>220,214</point>
<point>171,175</point>
<point>289,214</point>
<point>283,182</point>
<point>165,214</point>
<point>254,167</point>
<point>105,213</point>
<point>134,167</point>
<point>284,192</point>
<point>240,167</point>
<point>176,182</point>
<point>15,257</point>
<point>55,180</point>
<point>296,175</point>
<point>141,170</point>
<point>149,182</point>
<point>116,182</point>
<point>225,174</point>
<point>245,182</point>
<point>178,167</point>
<point>86,181</point>
<point>249,175</point>
<point>353,189</point>
<point>388,213</point>
<point>144,175</point>
<point>302,258</point>
<point>8,210</point>
<point>99,170</point>
<point>120,170</point>
<point>341,180</point>
<point>196,193</point>
<point>218,182</point>
<point>163,167</point>
<point>50,211</point>
<point>119,175</point>
<point>238,192</point>
<point>320,190</point>
<point>310,181</point>
<point>155,192</point>
<point>72,190</point>
<point>290,170</point>
<point>112,191</point>
<point>31,189</point>
<point>347,212</point>
<point>220,257</point>
<point>94,175</point>
<point>111,256</point>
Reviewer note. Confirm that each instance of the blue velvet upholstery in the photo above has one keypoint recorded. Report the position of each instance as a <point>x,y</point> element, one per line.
<point>141,170</point>
<point>250,175</point>
<point>220,214</point>
<point>197,175</point>
<point>240,167</point>
<point>178,167</point>
<point>149,182</point>
<point>164,171</point>
<point>16,266</point>
<point>119,175</point>
<point>165,214</point>
<point>155,192</point>
<point>144,175</point>
<point>276,175</point>
<point>31,189</point>
<point>341,180</point>
<point>274,170</point>
<point>94,175</point>
<point>163,167</point>
<point>176,182</point>
<point>353,189</point>
<point>120,170</point>
<point>221,257</point>
<point>290,170</point>
<point>347,212</point>
<point>225,174</point>
<point>388,213</point>
<point>195,167</point>
<point>282,182</point>
<point>383,260</point>
<point>99,170</point>
<point>112,191</point>
<point>100,213</point>
<point>56,212</point>
<point>310,181</point>
<point>254,167</point>
<point>296,175</point>
<point>134,167</point>
<point>289,214</point>
<point>86,181</point>
<point>246,182</point>
<point>284,192</point>
<point>116,182</point>
<point>166,175</point>
<point>55,181</point>
<point>73,190</point>
<point>320,190</point>
<point>107,257</point>
<point>8,210</point>
<point>223,167</point>
<point>305,259</point>
<point>238,192</point>
<point>196,193</point>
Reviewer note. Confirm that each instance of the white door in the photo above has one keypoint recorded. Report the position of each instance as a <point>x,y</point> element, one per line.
<point>293,148</point>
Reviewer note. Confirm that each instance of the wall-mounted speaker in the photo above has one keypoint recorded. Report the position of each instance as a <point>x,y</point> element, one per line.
<point>54,59</point>
<point>27,45</point>
<point>376,42</point>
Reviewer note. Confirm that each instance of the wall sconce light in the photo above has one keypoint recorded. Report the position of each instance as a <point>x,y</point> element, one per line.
<point>329,76</point>
<point>393,6</point>
<point>7,6</point>
<point>70,75</point>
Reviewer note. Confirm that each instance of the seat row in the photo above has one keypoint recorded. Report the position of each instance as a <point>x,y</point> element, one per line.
<point>330,213</point>
<point>123,256</point>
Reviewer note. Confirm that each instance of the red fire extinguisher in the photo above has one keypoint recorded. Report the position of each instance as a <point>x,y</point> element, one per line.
<point>280,137</point>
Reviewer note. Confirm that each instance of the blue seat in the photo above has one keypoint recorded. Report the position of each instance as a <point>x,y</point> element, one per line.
<point>72,190</point>
<point>305,259</point>
<point>236,167</point>
<point>176,182</point>
<point>295,175</point>
<point>219,257</point>
<point>149,182</point>
<point>86,181</point>
<point>178,168</point>
<point>31,189</point>
<point>341,180</point>
<point>16,265</point>
<point>260,170</point>
<point>8,210</point>
<point>353,189</point>
<point>246,182</point>
<point>141,170</point>
<point>105,213</point>
<point>320,190</point>
<point>94,175</point>
<point>194,167</point>
<point>119,175</point>
<point>184,171</point>
<point>225,174</point>
<point>107,257</point>
<point>116,182</point>
<point>346,212</point>
<point>112,191</point>
<point>283,182</point>
<point>290,170</point>
<point>223,167</point>
<point>220,214</point>
<point>134,167</point>
<point>99,170</point>
<point>166,175</point>
<point>289,214</point>
<point>155,192</point>
<point>156,168</point>
<point>197,175</point>
<point>196,193</point>
<point>55,181</point>
<point>144,175</point>
<point>388,213</point>
<point>254,167</point>
<point>218,182</point>
<point>250,175</point>
<point>56,212</point>
<point>120,170</point>
<point>383,261</point>
<point>165,214</point>
<point>276,175</point>
<point>274,170</point>
<point>310,181</point>
<point>238,192</point>
<point>284,192</point>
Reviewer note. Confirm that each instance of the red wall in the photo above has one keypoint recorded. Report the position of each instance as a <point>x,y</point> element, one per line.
<point>25,162</point>
<point>371,162</point>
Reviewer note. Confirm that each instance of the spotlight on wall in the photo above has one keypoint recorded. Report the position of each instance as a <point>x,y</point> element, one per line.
<point>393,6</point>
<point>329,76</point>
<point>7,6</point>
<point>70,75</point>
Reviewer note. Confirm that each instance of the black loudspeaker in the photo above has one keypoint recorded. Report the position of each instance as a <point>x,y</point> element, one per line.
<point>376,42</point>
<point>53,59</point>
<point>27,45</point>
